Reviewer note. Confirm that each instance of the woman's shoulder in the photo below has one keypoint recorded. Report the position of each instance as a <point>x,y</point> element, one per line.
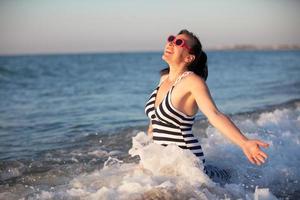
<point>193,78</point>
<point>163,77</point>
<point>194,82</point>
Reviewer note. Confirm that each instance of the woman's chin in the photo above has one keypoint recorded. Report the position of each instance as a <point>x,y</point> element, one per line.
<point>165,57</point>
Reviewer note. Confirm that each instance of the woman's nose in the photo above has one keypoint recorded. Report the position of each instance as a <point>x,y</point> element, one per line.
<point>170,44</point>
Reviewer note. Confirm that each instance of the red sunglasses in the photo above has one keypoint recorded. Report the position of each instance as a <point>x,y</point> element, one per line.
<point>178,42</point>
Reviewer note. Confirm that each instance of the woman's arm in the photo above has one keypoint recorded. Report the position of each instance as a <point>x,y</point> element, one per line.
<point>150,129</point>
<point>223,123</point>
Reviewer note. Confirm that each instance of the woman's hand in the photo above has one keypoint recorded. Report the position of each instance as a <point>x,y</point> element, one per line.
<point>252,151</point>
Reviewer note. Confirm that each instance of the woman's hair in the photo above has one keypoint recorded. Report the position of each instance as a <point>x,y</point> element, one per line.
<point>199,65</point>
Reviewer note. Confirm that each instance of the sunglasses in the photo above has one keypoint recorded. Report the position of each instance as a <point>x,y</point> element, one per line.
<point>178,42</point>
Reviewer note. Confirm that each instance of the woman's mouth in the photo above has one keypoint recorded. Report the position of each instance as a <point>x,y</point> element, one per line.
<point>168,52</point>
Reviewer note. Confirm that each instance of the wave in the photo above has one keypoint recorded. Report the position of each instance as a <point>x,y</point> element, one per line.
<point>4,72</point>
<point>102,166</point>
<point>162,177</point>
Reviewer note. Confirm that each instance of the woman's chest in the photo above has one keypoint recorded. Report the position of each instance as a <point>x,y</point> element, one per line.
<point>180,97</point>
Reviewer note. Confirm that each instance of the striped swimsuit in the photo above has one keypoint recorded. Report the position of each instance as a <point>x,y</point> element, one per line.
<point>170,126</point>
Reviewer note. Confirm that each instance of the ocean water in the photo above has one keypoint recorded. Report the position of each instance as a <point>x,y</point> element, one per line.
<point>73,127</point>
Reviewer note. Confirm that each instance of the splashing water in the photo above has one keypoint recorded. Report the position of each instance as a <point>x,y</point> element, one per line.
<point>162,173</point>
<point>174,173</point>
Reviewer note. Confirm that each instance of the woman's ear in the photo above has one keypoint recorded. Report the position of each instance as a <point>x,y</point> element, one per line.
<point>189,58</point>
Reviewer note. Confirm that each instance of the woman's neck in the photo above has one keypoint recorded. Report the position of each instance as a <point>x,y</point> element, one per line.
<point>174,73</point>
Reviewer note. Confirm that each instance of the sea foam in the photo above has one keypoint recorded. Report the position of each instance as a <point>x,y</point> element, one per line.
<point>161,173</point>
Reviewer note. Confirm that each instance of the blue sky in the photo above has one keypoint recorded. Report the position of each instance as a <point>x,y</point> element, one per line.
<point>59,26</point>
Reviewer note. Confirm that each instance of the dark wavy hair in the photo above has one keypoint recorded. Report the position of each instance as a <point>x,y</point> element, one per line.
<point>199,65</point>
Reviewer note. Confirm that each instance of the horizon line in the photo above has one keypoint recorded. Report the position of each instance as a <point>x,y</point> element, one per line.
<point>237,47</point>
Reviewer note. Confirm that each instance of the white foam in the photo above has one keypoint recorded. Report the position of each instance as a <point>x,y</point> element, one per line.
<point>162,172</point>
<point>281,129</point>
<point>98,153</point>
<point>161,160</point>
<point>174,173</point>
<point>263,194</point>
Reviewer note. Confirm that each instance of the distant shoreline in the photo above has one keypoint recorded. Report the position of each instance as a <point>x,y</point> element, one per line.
<point>238,47</point>
<point>254,47</point>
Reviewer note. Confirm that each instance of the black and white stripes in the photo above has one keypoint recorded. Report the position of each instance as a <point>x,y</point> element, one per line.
<point>170,126</point>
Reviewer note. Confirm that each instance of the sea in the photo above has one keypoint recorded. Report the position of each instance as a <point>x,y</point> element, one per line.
<point>72,126</point>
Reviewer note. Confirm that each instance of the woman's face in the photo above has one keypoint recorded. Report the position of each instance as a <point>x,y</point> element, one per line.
<point>176,55</point>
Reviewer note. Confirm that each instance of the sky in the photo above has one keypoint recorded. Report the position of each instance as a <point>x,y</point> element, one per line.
<point>75,26</point>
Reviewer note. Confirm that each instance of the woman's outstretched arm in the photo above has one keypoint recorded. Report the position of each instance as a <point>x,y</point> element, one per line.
<point>223,123</point>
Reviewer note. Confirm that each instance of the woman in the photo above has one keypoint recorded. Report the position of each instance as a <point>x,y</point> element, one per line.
<point>182,90</point>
